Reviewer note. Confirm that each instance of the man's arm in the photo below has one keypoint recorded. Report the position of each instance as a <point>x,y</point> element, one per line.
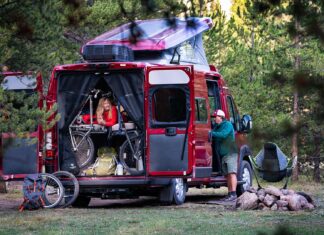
<point>222,134</point>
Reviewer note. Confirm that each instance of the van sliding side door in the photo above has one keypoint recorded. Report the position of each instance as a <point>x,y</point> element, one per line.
<point>168,101</point>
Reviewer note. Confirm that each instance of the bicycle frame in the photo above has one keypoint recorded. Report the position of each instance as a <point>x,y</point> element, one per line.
<point>89,128</point>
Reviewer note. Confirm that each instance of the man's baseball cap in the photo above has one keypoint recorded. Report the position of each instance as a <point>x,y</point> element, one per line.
<point>219,112</point>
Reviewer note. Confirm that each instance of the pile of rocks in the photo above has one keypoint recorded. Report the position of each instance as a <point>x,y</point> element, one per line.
<point>272,198</point>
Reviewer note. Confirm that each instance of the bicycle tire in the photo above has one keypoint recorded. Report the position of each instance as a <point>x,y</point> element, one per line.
<point>53,191</point>
<point>126,157</point>
<point>71,187</point>
<point>85,151</point>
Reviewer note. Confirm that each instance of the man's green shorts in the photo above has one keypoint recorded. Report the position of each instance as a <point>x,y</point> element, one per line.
<point>229,164</point>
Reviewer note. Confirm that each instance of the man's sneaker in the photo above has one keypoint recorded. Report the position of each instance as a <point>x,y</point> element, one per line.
<point>230,198</point>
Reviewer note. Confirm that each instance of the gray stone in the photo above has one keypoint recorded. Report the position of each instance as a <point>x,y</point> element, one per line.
<point>261,206</point>
<point>291,192</point>
<point>273,191</point>
<point>252,190</point>
<point>269,200</point>
<point>282,203</point>
<point>284,208</point>
<point>309,206</point>
<point>285,197</point>
<point>274,207</point>
<point>261,192</point>
<point>247,201</point>
<point>284,191</point>
<point>261,198</point>
<point>296,202</point>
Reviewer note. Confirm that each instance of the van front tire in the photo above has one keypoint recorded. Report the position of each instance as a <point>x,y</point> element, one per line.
<point>245,174</point>
<point>174,193</point>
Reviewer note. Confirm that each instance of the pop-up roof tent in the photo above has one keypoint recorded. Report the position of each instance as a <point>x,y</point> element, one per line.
<point>151,40</point>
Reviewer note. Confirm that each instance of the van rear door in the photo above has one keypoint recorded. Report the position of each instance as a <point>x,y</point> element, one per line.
<point>18,155</point>
<point>169,136</point>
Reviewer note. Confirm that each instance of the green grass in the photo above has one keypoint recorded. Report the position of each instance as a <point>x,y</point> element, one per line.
<point>148,217</point>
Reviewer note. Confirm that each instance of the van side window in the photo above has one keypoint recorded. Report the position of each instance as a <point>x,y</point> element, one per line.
<point>232,112</point>
<point>201,110</point>
<point>213,96</point>
<point>169,105</point>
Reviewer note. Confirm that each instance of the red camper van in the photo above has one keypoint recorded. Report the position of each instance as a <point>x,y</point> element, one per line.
<point>164,92</point>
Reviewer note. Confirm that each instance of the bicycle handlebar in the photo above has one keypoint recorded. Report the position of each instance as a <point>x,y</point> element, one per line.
<point>96,92</point>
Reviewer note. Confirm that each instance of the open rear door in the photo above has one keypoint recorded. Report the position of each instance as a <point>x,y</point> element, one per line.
<point>168,99</point>
<point>21,156</point>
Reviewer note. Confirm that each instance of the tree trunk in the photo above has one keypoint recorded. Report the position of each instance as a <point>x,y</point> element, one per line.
<point>294,144</point>
<point>316,157</point>
<point>251,78</point>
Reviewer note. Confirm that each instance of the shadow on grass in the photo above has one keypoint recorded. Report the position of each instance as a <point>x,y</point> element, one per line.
<point>282,229</point>
<point>147,202</point>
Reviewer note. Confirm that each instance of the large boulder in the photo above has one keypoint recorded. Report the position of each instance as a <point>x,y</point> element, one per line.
<point>296,202</point>
<point>247,201</point>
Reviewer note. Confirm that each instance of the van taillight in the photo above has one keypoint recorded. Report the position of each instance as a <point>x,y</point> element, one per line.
<point>49,153</point>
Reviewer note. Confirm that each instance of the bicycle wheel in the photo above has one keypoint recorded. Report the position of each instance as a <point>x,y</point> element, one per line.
<point>132,163</point>
<point>71,187</point>
<point>53,192</point>
<point>84,151</point>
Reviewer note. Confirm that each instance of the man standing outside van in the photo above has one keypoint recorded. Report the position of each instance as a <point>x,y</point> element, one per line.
<point>224,135</point>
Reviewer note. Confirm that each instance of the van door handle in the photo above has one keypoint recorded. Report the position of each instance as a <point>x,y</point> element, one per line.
<point>170,131</point>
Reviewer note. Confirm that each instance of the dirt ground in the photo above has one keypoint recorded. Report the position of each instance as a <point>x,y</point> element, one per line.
<point>195,197</point>
<point>147,216</point>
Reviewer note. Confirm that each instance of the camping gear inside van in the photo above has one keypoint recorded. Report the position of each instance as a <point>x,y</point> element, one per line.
<point>76,147</point>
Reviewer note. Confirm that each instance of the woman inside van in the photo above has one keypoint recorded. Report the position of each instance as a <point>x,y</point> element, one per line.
<point>106,113</point>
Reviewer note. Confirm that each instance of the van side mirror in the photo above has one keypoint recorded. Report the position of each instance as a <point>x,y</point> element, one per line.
<point>246,123</point>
